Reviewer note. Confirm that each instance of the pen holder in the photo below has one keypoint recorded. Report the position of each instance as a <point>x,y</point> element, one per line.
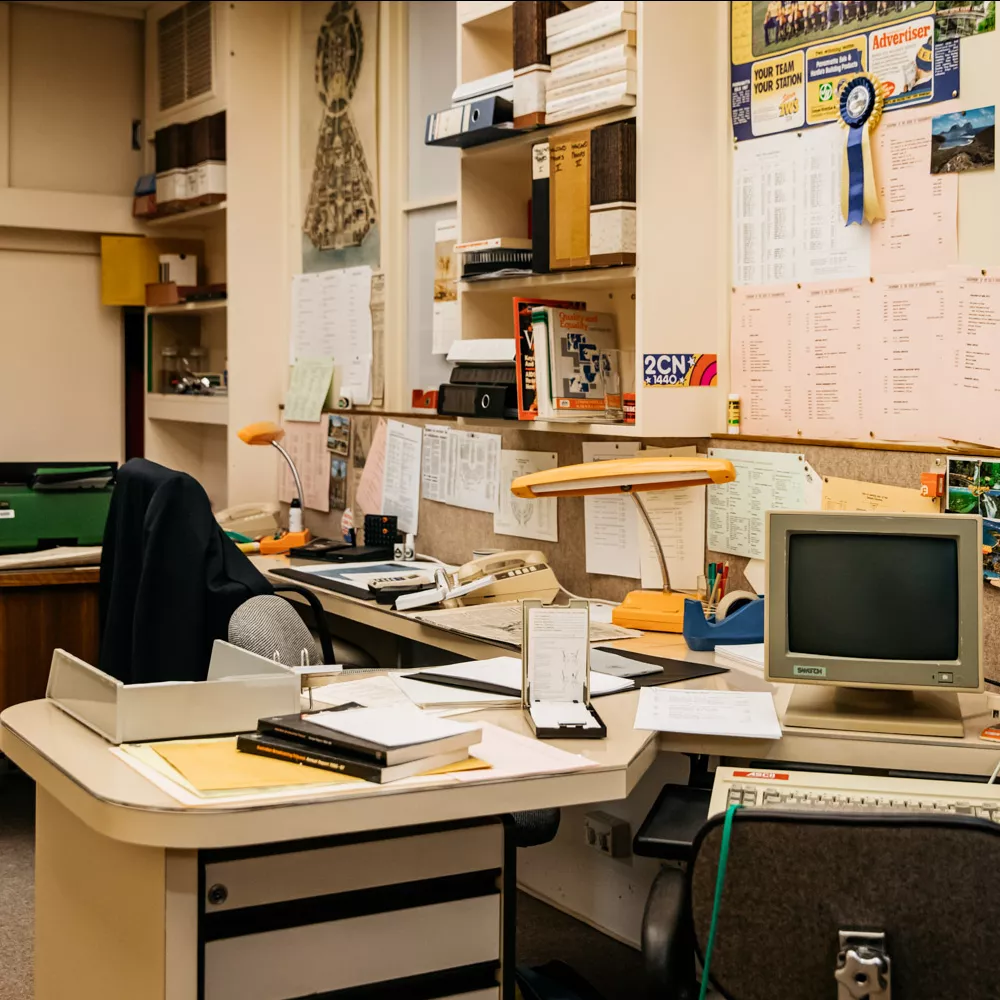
<point>741,626</point>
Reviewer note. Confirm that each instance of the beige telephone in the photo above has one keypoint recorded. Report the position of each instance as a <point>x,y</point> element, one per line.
<point>519,573</point>
<point>251,519</point>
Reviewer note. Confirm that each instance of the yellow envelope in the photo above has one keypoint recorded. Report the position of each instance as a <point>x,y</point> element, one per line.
<point>216,765</point>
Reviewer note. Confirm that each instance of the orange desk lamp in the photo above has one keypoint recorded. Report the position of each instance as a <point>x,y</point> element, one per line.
<point>263,433</point>
<point>658,611</point>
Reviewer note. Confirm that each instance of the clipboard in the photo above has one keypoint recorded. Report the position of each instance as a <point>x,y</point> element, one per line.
<point>555,670</point>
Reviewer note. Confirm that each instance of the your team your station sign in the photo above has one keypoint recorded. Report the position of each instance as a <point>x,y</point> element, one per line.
<point>788,59</point>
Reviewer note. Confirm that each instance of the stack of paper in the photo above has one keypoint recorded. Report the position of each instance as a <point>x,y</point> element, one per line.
<point>749,714</point>
<point>749,656</point>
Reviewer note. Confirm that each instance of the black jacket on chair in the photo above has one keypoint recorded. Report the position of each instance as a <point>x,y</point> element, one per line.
<point>170,578</point>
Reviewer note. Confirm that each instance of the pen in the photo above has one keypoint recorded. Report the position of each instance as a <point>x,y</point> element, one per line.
<point>725,580</point>
<point>711,580</point>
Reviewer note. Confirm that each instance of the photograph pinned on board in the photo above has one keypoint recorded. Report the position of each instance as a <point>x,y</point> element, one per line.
<point>779,26</point>
<point>338,436</point>
<point>963,140</point>
<point>962,18</point>
<point>338,483</point>
<point>973,487</point>
<point>991,549</point>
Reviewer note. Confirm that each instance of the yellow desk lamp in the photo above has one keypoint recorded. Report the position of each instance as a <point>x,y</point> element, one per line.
<point>263,433</point>
<point>658,611</point>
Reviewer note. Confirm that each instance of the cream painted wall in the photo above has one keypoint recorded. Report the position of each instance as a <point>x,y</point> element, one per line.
<point>75,87</point>
<point>61,382</point>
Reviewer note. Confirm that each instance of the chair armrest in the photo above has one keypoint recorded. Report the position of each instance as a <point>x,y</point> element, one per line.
<point>669,829</point>
<point>667,939</point>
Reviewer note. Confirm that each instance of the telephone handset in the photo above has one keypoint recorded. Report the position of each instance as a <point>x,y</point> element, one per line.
<point>517,574</point>
<point>251,519</point>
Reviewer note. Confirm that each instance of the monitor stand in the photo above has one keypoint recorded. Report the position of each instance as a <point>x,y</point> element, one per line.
<point>866,710</point>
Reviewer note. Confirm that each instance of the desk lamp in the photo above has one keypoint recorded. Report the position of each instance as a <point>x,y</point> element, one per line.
<point>659,611</point>
<point>263,433</point>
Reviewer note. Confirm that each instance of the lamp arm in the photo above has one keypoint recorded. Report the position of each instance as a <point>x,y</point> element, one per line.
<point>657,547</point>
<point>295,473</point>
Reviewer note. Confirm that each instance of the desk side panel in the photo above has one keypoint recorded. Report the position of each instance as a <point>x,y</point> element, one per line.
<point>99,912</point>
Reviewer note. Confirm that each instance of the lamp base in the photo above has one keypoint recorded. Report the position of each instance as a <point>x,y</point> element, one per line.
<point>271,546</point>
<point>651,610</point>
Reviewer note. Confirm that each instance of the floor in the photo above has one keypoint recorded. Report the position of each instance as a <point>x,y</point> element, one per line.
<point>544,934</point>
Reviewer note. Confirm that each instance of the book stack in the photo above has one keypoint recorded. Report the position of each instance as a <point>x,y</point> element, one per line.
<point>531,59</point>
<point>592,55</point>
<point>567,358</point>
<point>376,744</point>
<point>191,164</point>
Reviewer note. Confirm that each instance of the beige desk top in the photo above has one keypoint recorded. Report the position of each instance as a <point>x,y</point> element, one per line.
<point>75,766</point>
<point>970,755</point>
<point>382,617</point>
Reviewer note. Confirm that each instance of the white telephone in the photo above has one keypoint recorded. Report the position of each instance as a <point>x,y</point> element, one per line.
<point>251,519</point>
<point>517,574</point>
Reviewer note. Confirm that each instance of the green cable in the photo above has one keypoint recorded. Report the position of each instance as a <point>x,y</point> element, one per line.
<point>727,830</point>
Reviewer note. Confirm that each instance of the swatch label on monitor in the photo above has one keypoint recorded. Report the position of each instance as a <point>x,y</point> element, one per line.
<point>798,671</point>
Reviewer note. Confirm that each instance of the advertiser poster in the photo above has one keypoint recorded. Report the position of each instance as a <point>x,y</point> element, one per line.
<point>789,59</point>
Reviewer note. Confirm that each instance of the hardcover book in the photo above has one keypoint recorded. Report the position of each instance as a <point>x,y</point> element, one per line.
<point>526,347</point>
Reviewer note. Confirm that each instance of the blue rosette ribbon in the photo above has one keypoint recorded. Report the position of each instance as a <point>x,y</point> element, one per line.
<point>861,102</point>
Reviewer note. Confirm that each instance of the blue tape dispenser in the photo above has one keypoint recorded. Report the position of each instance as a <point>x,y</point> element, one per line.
<point>742,622</point>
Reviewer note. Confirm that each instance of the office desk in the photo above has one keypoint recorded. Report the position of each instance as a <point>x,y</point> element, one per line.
<point>389,880</point>
<point>41,609</point>
<point>405,626</point>
<point>969,755</point>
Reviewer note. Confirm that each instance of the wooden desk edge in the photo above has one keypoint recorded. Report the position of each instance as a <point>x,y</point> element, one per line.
<point>55,576</point>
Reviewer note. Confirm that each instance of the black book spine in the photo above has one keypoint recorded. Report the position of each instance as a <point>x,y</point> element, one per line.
<point>312,737</point>
<point>258,743</point>
<point>540,207</point>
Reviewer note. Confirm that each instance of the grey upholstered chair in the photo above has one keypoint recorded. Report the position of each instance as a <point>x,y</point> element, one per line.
<point>919,891</point>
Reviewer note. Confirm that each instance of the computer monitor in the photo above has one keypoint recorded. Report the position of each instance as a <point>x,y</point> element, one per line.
<point>880,614</point>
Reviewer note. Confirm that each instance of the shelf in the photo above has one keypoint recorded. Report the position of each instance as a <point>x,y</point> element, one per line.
<point>516,140</point>
<point>212,305</point>
<point>486,14</point>
<point>593,277</point>
<point>195,218</point>
<point>188,409</point>
<point>550,426</point>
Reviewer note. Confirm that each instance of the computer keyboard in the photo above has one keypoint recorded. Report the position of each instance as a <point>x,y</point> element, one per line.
<point>781,789</point>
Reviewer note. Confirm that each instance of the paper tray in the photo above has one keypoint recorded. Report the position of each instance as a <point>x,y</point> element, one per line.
<point>242,687</point>
<point>569,732</point>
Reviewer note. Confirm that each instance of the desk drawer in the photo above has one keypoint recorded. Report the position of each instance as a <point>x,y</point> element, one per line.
<point>339,955</point>
<point>350,867</point>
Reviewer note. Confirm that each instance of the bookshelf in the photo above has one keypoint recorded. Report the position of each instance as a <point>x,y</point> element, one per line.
<point>206,217</point>
<point>676,299</point>
<point>244,239</point>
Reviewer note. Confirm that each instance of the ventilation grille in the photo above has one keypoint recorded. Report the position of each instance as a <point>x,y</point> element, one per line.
<point>184,53</point>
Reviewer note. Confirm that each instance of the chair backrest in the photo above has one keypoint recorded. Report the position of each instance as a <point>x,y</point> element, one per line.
<point>170,578</point>
<point>794,881</point>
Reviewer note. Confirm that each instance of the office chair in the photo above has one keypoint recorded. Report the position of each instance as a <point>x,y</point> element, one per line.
<point>848,905</point>
<point>170,578</point>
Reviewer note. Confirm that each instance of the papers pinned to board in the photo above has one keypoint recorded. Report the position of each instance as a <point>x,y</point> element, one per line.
<point>764,481</point>
<point>461,468</point>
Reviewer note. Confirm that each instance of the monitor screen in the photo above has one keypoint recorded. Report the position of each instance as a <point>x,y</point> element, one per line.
<point>873,596</point>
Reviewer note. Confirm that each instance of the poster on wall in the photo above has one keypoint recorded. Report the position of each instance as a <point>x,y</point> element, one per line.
<point>338,134</point>
<point>788,59</point>
<point>973,487</point>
